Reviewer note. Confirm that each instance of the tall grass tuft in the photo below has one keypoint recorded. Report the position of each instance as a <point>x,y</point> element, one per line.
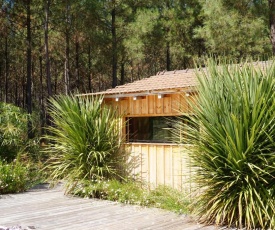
<point>233,150</point>
<point>84,141</point>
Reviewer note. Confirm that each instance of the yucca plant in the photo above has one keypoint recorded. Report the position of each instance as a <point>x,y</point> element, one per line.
<point>84,140</point>
<point>233,150</point>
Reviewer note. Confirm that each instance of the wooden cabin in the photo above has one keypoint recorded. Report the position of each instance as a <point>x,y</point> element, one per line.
<point>148,108</point>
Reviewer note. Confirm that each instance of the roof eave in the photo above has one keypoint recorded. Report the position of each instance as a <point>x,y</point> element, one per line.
<point>149,92</point>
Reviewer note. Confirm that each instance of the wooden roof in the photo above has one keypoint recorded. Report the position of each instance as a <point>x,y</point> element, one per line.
<point>166,82</point>
<point>169,81</point>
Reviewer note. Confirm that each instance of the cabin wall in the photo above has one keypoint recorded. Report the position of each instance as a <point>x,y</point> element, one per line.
<point>161,164</point>
<point>157,163</point>
<point>151,105</point>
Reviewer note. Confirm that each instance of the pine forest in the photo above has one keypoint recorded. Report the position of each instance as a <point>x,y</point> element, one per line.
<point>50,47</point>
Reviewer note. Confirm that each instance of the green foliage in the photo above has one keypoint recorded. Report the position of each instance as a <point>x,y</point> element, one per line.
<point>234,32</point>
<point>170,199</point>
<point>143,26</point>
<point>19,166</point>
<point>13,131</point>
<point>233,150</point>
<point>84,141</point>
<point>163,32</point>
<point>134,193</point>
<point>144,37</point>
<point>14,177</point>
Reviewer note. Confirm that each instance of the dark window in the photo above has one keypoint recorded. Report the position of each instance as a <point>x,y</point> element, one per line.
<point>151,129</point>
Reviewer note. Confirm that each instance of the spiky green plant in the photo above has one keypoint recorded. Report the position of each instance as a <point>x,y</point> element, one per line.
<point>84,141</point>
<point>233,150</point>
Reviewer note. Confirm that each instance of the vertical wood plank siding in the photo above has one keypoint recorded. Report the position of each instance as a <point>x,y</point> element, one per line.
<point>161,165</point>
<point>157,163</point>
<point>151,105</point>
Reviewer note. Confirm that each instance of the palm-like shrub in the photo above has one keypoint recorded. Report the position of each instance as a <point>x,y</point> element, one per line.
<point>233,150</point>
<point>84,140</point>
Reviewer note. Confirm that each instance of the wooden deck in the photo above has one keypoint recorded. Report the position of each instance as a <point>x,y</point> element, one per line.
<point>46,209</point>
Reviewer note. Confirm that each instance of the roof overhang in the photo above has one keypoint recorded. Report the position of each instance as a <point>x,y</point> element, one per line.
<point>141,93</point>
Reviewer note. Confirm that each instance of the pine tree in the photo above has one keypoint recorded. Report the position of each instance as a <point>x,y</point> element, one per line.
<point>234,29</point>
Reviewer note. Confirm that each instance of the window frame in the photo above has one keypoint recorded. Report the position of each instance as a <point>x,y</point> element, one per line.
<point>151,132</point>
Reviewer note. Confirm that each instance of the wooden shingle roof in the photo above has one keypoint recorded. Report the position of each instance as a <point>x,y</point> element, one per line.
<point>166,81</point>
<point>161,82</point>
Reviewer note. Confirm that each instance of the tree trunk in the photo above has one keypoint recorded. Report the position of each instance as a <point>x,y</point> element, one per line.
<point>7,69</point>
<point>23,84</point>
<point>1,86</point>
<point>79,83</point>
<point>168,58</point>
<point>16,101</point>
<point>89,68</point>
<point>272,23</point>
<point>66,68</point>
<point>41,97</point>
<point>114,47</point>
<point>67,50</point>
<point>48,65</point>
<point>55,82</point>
<point>132,71</point>
<point>122,74</point>
<point>29,69</point>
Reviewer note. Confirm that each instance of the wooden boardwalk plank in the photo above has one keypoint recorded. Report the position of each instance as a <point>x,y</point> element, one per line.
<point>47,209</point>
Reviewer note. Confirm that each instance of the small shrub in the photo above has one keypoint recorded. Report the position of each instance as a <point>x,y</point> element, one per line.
<point>13,131</point>
<point>14,177</point>
<point>128,193</point>
<point>35,166</point>
<point>134,193</point>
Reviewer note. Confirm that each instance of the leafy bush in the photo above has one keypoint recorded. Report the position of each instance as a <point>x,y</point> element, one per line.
<point>114,190</point>
<point>134,193</point>
<point>14,177</point>
<point>233,150</point>
<point>13,131</point>
<point>84,141</point>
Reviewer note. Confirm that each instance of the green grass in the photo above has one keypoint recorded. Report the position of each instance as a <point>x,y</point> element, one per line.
<point>170,199</point>
<point>134,193</point>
